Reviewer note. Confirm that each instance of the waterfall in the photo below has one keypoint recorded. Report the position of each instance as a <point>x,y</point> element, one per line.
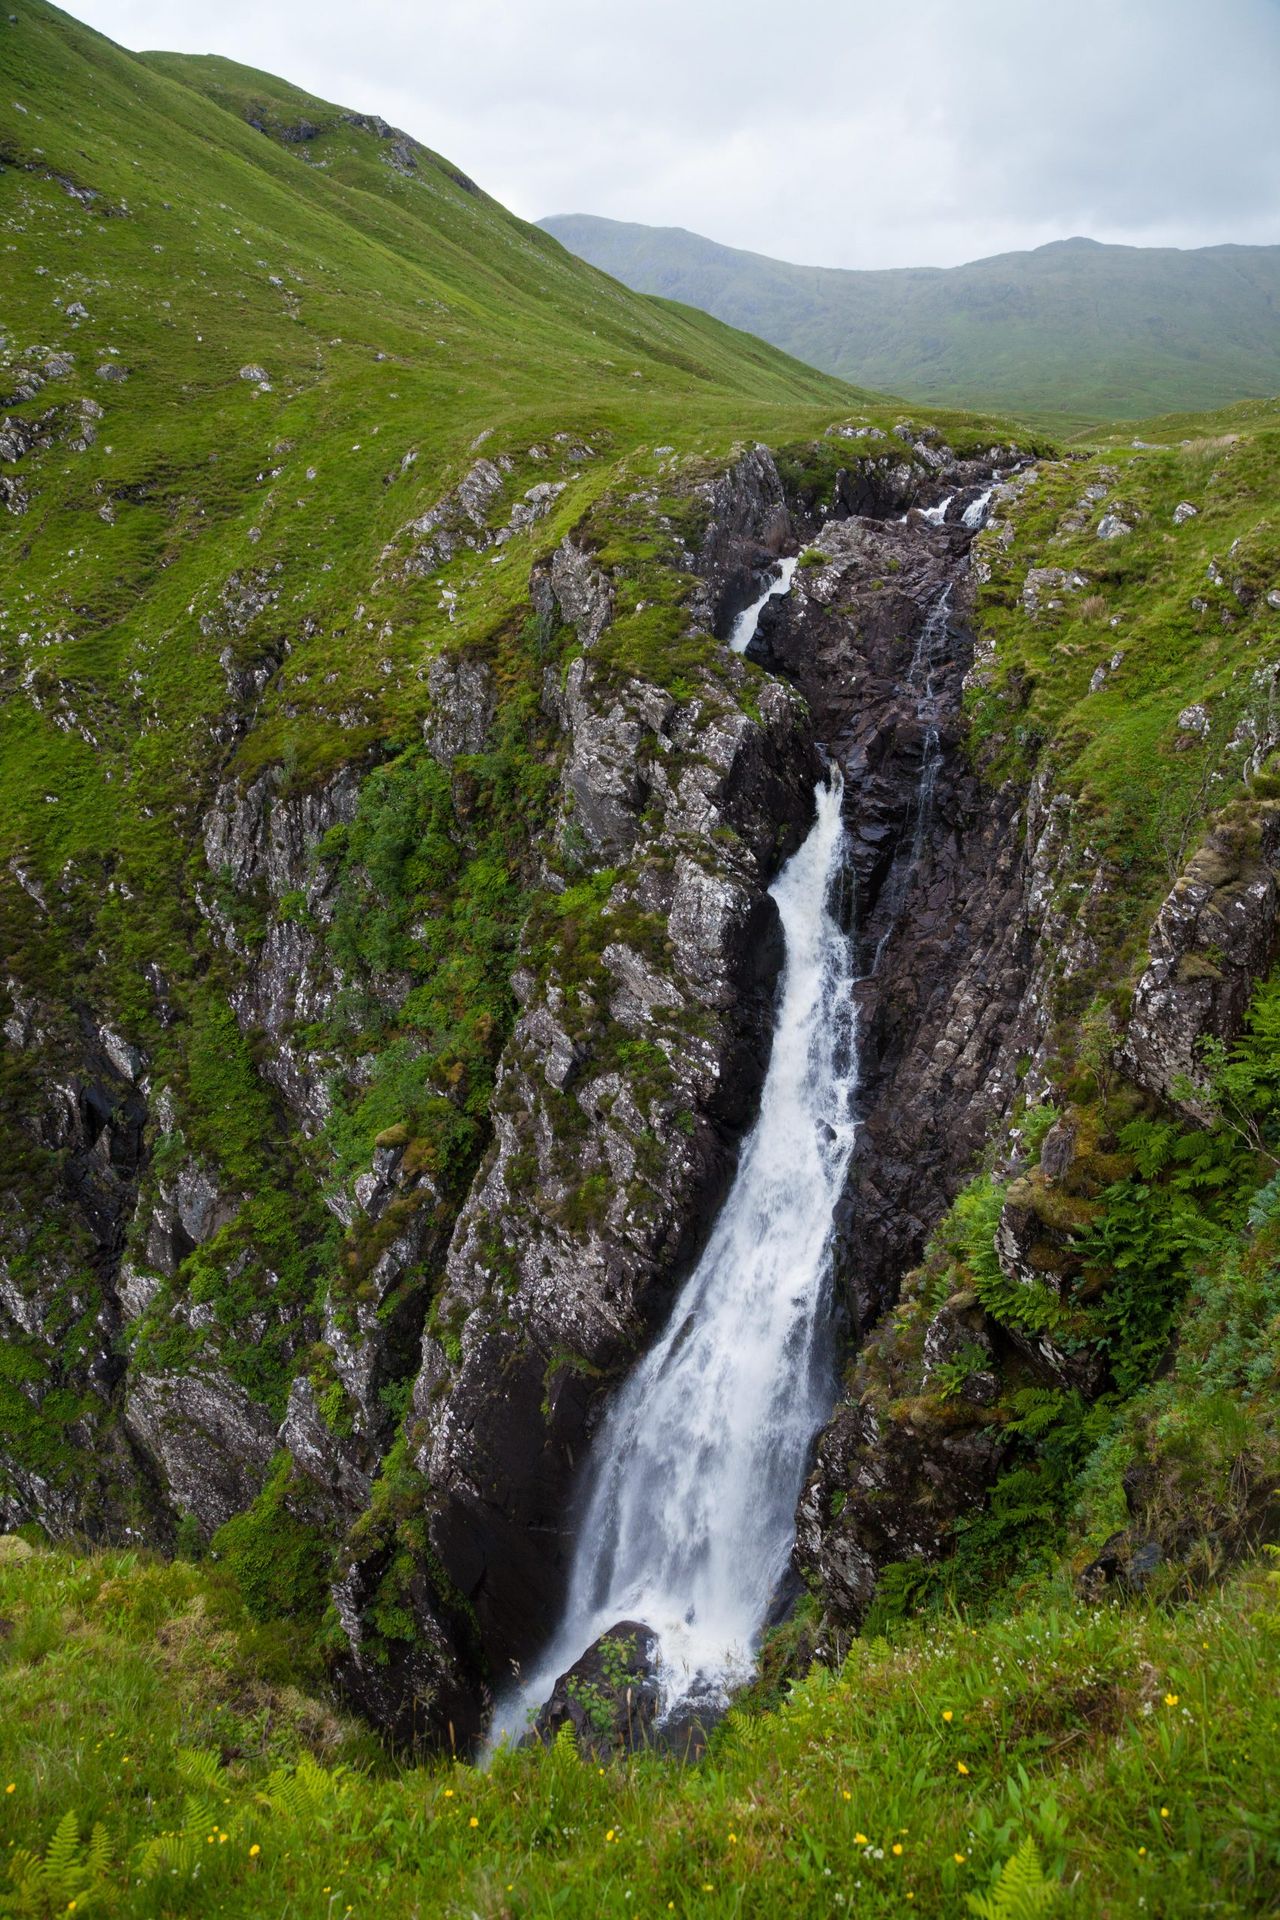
<point>748,620</point>
<point>699,1463</point>
<point>935,516</point>
<point>975,514</point>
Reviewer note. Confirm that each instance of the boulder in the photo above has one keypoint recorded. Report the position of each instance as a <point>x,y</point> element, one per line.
<point>610,1697</point>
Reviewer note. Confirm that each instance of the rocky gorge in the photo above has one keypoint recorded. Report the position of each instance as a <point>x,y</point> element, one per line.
<point>425,1445</point>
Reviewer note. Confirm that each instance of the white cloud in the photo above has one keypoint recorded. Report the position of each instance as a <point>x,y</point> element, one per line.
<point>837,132</point>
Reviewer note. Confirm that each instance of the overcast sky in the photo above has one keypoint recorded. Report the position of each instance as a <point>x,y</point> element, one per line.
<point>860,133</point>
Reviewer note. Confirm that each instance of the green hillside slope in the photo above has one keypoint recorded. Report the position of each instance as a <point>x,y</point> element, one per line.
<point>1072,331</point>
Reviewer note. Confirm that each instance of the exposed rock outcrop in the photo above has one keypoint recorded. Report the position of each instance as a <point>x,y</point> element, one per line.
<point>211,1441</point>
<point>631,1072</point>
<point>1216,933</point>
<point>876,637</point>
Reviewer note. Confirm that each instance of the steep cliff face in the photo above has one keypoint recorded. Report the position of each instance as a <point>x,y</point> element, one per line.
<point>625,1085</point>
<point>645,988</point>
<point>1075,1027</point>
<point>877,635</point>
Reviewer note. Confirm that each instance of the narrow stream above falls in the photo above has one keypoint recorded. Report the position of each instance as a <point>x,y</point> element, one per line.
<point>744,627</point>
<point>690,1518</point>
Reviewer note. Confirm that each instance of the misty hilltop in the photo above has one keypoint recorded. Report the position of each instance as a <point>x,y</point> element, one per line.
<point>1074,330</point>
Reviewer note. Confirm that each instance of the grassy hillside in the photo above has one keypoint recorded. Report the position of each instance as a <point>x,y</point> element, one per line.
<point>396,315</point>
<point>1131,1749</point>
<point>250,343</point>
<point>1074,331</point>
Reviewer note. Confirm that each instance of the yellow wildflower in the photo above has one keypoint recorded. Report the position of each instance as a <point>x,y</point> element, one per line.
<point>846,1793</point>
<point>1171,1699</point>
<point>897,1846</point>
<point>254,1851</point>
<point>961,1767</point>
<point>608,1837</point>
<point>473,1821</point>
<point>861,1840</point>
<point>12,1787</point>
<point>448,1793</point>
<point>1164,1813</point>
<point>947,1715</point>
<point>733,1839</point>
<point>959,1859</point>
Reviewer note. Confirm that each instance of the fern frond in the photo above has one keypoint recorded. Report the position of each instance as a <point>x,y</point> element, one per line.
<point>198,1767</point>
<point>60,1856</point>
<point>1022,1892</point>
<point>24,1868</point>
<point>97,1860</point>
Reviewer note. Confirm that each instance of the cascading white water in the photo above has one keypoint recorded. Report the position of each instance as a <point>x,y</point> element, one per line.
<point>936,516</point>
<point>699,1463</point>
<point>975,514</point>
<point>748,620</point>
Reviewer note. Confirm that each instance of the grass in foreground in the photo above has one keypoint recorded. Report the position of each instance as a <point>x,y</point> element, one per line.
<point>155,1758</point>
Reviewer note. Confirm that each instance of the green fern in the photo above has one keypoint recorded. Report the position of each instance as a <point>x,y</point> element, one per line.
<point>310,1793</point>
<point>66,1871</point>
<point>1022,1892</point>
<point>177,1853</point>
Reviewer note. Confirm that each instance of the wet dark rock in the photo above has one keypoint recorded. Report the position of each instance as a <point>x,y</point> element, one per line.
<point>941,903</point>
<point>885,1491</point>
<point>749,526</point>
<point>414,1689</point>
<point>610,1697</point>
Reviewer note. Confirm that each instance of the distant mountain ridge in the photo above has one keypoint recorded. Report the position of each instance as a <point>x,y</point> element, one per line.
<point>1076,330</point>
